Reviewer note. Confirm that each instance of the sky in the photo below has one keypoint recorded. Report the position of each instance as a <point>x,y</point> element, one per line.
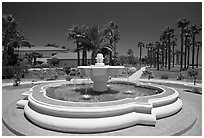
<point>49,22</point>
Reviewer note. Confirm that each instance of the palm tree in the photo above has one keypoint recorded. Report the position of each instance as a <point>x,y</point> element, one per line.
<point>76,33</point>
<point>158,46</point>
<point>187,45</point>
<point>182,23</point>
<point>95,39</point>
<point>198,45</point>
<point>130,55</point>
<point>149,47</point>
<point>173,43</point>
<point>194,30</point>
<point>163,41</point>
<point>111,33</point>
<point>140,45</point>
<point>177,53</point>
<point>169,35</point>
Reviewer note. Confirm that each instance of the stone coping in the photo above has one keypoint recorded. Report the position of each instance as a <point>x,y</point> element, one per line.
<point>38,93</point>
<point>15,121</point>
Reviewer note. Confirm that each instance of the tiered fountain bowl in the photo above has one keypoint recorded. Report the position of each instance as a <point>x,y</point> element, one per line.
<point>91,117</point>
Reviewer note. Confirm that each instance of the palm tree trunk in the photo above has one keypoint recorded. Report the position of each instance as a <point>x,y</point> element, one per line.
<point>197,56</point>
<point>193,50</point>
<point>166,57</point>
<point>157,58</point>
<point>78,54</point>
<point>169,53</point>
<point>173,55</point>
<point>181,64</point>
<point>151,57</point>
<point>111,62</point>
<point>185,54</point>
<point>188,60</point>
<point>162,54</point>
<point>83,57</point>
<point>93,56</point>
<point>140,55</point>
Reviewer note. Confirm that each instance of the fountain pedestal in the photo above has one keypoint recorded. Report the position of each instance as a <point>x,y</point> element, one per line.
<point>100,73</point>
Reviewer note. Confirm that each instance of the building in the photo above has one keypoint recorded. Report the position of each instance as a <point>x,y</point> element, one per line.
<point>69,59</point>
<point>45,51</point>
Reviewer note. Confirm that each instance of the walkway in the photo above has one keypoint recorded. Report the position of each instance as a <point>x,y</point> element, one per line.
<point>137,74</point>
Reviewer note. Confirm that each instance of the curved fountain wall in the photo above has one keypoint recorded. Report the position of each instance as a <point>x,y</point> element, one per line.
<point>87,117</point>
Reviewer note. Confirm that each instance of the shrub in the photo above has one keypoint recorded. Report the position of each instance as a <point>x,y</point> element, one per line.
<point>8,72</point>
<point>67,69</point>
<point>164,76</point>
<point>68,78</point>
<point>193,73</point>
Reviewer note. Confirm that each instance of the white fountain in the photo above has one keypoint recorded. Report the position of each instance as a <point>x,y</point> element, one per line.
<point>100,73</point>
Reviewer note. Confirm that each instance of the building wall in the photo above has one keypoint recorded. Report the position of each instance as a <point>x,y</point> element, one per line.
<point>45,53</point>
<point>69,62</point>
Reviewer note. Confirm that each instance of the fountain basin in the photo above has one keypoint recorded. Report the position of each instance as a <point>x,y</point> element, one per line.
<point>88,117</point>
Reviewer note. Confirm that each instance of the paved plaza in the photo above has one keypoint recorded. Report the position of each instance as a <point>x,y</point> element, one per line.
<point>187,122</point>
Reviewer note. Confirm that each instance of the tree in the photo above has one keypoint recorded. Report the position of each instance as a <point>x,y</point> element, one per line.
<point>75,34</point>
<point>198,45</point>
<point>89,38</point>
<point>51,45</point>
<point>182,23</point>
<point>140,45</point>
<point>193,73</point>
<point>158,46</point>
<point>111,33</point>
<point>194,30</point>
<point>163,45</point>
<point>96,41</point>
<point>169,34</point>
<point>177,53</point>
<point>12,38</point>
<point>149,47</point>
<point>54,61</point>
<point>130,55</point>
<point>187,46</point>
<point>34,55</point>
<point>173,43</point>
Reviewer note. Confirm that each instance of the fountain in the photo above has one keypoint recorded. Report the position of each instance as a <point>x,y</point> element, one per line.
<point>91,117</point>
<point>100,73</point>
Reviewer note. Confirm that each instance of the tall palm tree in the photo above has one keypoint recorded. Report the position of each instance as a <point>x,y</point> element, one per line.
<point>111,33</point>
<point>76,33</point>
<point>170,35</point>
<point>194,30</point>
<point>173,43</point>
<point>182,23</point>
<point>149,47</point>
<point>198,45</point>
<point>177,53</point>
<point>163,41</point>
<point>95,39</point>
<point>140,45</point>
<point>157,47</point>
<point>187,46</point>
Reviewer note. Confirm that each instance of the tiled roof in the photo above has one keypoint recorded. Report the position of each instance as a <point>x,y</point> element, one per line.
<point>41,49</point>
<point>70,55</point>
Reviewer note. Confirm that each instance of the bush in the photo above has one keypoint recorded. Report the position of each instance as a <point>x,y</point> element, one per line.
<point>68,78</point>
<point>164,76</point>
<point>8,72</point>
<point>67,69</point>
